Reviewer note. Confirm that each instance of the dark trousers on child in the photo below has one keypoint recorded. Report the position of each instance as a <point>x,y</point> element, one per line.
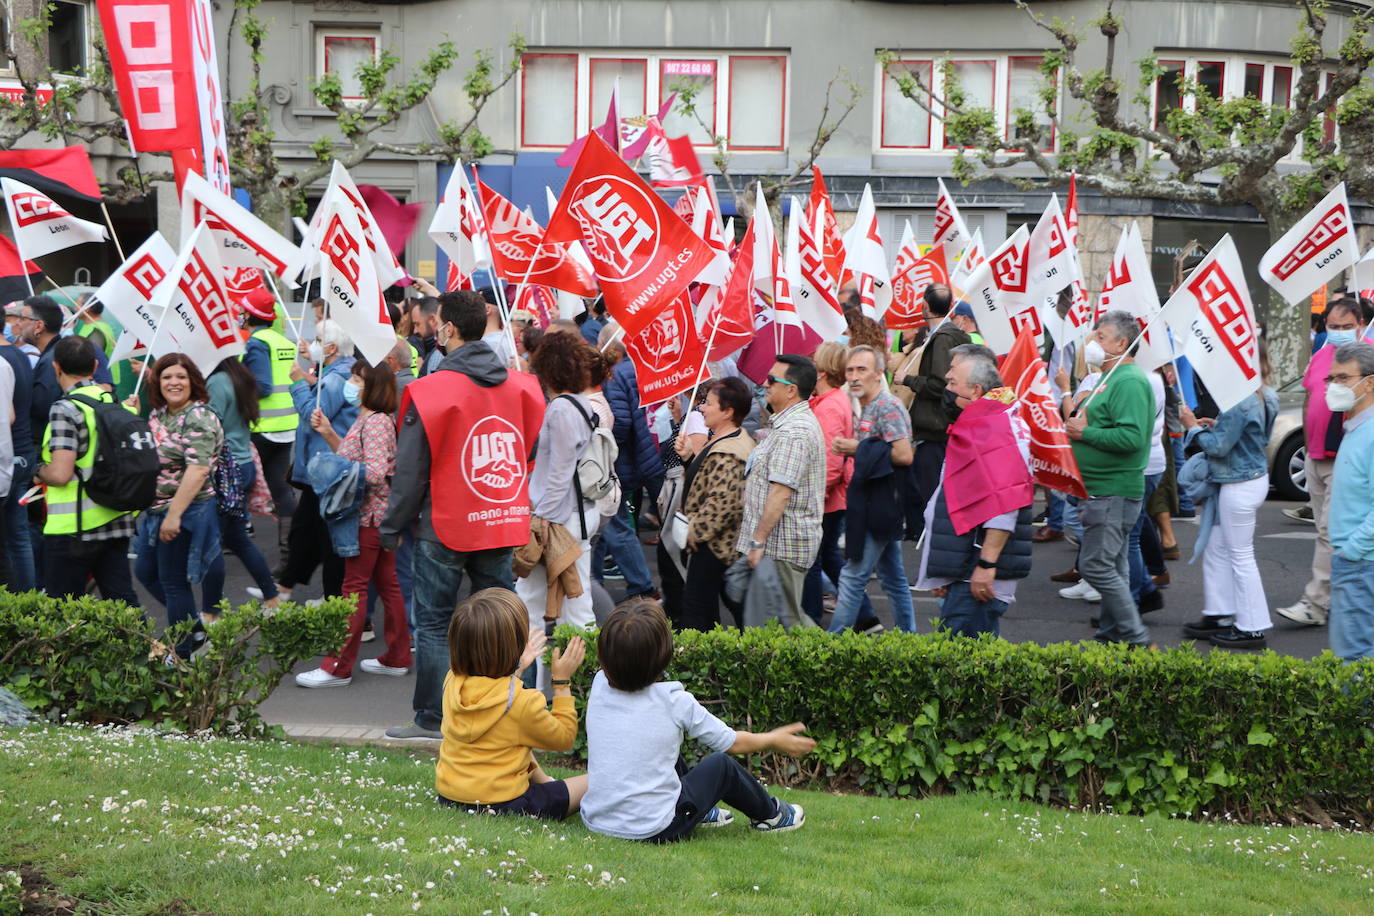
<point>717,778</point>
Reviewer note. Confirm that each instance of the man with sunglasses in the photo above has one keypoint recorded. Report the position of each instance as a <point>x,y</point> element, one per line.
<point>1350,391</point>
<point>784,487</point>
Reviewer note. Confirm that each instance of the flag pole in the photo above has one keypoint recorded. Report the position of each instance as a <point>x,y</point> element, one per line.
<point>705,358</point>
<point>152,344</point>
<point>498,287</point>
<point>615,335</point>
<point>285,312</point>
<point>1102,382</point>
<point>114,237</point>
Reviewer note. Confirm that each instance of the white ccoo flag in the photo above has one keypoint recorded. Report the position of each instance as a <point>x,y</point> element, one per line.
<point>40,225</point>
<point>1313,252</point>
<point>197,312</point>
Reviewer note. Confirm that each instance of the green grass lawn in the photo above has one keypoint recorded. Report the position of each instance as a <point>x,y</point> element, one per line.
<point>135,824</point>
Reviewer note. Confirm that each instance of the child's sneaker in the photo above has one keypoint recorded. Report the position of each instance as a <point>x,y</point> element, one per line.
<point>789,817</point>
<point>717,817</point>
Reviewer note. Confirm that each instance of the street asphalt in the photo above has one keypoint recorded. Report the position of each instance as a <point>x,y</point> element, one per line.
<point>1283,548</point>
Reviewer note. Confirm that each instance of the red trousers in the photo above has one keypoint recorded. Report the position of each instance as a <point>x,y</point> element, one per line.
<point>378,566</point>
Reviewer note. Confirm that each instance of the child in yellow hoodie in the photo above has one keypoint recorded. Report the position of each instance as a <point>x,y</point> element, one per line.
<point>491,722</point>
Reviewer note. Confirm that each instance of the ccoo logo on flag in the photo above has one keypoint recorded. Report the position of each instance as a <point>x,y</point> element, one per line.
<point>1332,226</point>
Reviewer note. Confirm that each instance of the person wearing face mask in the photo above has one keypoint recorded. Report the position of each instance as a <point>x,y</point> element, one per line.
<point>1350,390</point>
<point>1111,441</point>
<point>309,542</point>
<point>1323,430</point>
<point>1235,611</point>
<point>978,521</point>
<point>1069,400</point>
<point>268,356</point>
<point>881,450</point>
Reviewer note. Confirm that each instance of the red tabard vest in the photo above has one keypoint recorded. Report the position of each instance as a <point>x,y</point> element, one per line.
<point>480,442</point>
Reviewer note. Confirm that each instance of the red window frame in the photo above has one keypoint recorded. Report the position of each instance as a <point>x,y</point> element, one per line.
<point>1249,71</point>
<point>328,38</point>
<point>715,85</point>
<point>1221,64</point>
<point>593,116</point>
<point>992,102</point>
<point>1183,68</point>
<point>882,111</point>
<point>782,108</point>
<point>523,61</point>
<point>1289,71</point>
<point>1039,59</point>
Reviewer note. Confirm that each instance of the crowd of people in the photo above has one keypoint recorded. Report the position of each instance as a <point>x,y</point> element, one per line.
<point>488,453</point>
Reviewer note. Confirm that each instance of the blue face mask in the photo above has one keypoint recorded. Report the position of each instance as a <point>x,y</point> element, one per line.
<point>1341,337</point>
<point>353,393</point>
<point>9,333</point>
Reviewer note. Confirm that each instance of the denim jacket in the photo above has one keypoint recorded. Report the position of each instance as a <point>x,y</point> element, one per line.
<point>341,414</point>
<point>199,524</point>
<point>340,485</point>
<point>1235,445</point>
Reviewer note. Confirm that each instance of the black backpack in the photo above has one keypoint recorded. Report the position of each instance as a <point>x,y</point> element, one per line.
<point>123,473</point>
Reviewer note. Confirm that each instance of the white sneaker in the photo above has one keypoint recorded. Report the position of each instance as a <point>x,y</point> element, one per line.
<point>372,666</point>
<point>1303,613</point>
<point>254,592</point>
<point>368,635</point>
<point>318,677</point>
<point>1081,591</point>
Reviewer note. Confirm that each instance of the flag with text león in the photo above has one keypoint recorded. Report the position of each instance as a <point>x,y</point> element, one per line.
<point>343,192</point>
<point>1212,316</point>
<point>644,255</point>
<point>668,354</point>
<point>1315,251</point>
<point>1052,462</point>
<point>40,225</point>
<point>997,291</point>
<point>199,317</point>
<point>950,231</point>
<point>1053,265</point>
<point>128,292</point>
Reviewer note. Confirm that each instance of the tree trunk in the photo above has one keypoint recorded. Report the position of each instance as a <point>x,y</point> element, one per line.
<point>1287,328</point>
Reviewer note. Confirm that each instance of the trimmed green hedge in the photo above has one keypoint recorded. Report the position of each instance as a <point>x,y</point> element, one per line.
<point>87,660</point>
<point>1261,737</point>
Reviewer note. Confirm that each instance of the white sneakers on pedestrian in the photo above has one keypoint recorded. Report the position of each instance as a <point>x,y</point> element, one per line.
<point>318,677</point>
<point>372,666</point>
<point>1303,614</point>
<point>1081,591</point>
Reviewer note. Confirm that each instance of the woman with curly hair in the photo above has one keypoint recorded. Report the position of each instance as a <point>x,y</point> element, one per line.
<point>562,365</point>
<point>178,537</point>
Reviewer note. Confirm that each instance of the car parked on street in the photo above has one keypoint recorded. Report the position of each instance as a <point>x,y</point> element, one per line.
<point>1287,450</point>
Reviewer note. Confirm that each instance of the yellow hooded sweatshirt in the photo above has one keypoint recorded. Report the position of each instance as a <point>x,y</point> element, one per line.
<point>490,725</point>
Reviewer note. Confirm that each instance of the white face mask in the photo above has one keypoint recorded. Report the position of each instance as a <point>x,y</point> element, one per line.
<point>316,352</point>
<point>1340,398</point>
<point>1093,354</point>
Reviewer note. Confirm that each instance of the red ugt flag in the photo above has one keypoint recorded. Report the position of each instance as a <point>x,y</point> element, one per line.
<point>643,254</point>
<point>1052,461</point>
<point>668,354</point>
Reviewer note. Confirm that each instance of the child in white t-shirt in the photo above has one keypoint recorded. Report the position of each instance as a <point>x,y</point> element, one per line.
<point>637,786</point>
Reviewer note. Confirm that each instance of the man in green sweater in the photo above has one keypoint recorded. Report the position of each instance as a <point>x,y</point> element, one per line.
<point>1111,441</point>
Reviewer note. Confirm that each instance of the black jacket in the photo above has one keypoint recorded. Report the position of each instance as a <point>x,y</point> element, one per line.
<point>929,418</point>
<point>873,506</point>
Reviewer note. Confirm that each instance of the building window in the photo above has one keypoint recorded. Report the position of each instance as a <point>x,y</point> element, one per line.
<point>606,73</point>
<point>978,81</point>
<point>743,96</point>
<point>758,102</point>
<point>67,36</point>
<point>904,123</point>
<point>1281,87</point>
<point>1024,85</point>
<point>341,52</point>
<point>700,76</point>
<point>1168,91</point>
<point>1211,77</point>
<point>548,100</point>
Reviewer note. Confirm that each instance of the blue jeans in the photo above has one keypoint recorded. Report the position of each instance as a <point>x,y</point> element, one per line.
<point>166,568</point>
<point>18,544</point>
<point>618,536</point>
<point>884,557</point>
<point>829,562</point>
<point>1352,608</point>
<point>965,615</point>
<point>1141,583</point>
<point>1073,525</point>
<point>1104,560</point>
<point>233,535</point>
<point>438,576</point>
<point>1185,502</point>
<point>1054,512</point>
